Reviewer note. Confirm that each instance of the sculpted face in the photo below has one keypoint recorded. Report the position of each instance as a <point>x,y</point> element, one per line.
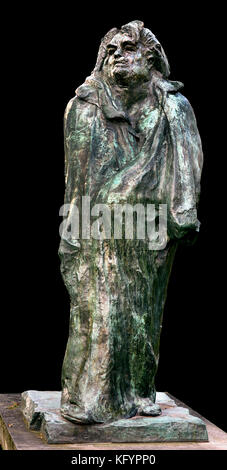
<point>126,61</point>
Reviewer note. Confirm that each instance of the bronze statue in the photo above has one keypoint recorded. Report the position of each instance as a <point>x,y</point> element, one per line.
<point>130,138</point>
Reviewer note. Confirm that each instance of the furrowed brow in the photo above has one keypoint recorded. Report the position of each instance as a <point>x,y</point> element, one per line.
<point>111,46</point>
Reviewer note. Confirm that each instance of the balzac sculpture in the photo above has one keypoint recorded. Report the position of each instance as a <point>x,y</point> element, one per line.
<point>130,137</point>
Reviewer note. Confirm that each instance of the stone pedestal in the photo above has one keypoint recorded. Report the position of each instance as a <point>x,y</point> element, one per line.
<point>41,411</point>
<point>16,435</point>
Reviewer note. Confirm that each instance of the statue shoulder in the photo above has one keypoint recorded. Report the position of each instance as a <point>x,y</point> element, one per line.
<point>77,110</point>
<point>70,113</point>
<point>178,106</point>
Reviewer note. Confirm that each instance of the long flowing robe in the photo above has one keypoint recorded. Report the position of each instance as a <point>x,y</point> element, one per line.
<point>117,287</point>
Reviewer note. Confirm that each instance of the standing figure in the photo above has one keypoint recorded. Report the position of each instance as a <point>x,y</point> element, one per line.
<point>130,138</point>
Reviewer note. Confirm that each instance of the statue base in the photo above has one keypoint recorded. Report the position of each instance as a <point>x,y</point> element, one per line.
<point>41,411</point>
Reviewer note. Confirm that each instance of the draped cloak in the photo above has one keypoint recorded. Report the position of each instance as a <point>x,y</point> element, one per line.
<point>117,288</point>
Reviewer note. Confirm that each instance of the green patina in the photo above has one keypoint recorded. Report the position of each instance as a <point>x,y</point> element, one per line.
<point>132,142</point>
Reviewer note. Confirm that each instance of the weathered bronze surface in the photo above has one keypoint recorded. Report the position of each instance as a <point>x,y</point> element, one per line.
<point>14,433</point>
<point>41,411</point>
<point>130,137</point>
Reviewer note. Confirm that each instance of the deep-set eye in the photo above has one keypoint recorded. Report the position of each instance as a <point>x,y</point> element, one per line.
<point>111,50</point>
<point>129,48</point>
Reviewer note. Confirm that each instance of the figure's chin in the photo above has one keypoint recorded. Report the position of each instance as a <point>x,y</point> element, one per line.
<point>121,74</point>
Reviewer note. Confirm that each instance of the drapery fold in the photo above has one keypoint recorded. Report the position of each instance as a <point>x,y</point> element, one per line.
<point>118,288</point>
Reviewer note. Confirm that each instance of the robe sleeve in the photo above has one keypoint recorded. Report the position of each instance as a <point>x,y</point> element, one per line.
<point>78,118</point>
<point>69,125</point>
<point>186,166</point>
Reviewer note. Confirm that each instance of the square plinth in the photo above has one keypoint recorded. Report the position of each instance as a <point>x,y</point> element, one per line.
<point>41,411</point>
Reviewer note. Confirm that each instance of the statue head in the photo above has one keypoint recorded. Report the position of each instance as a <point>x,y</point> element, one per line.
<point>130,55</point>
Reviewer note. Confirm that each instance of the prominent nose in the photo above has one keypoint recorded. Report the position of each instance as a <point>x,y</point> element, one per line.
<point>118,52</point>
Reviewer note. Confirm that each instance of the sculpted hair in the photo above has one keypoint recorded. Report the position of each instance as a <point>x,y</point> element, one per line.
<point>136,30</point>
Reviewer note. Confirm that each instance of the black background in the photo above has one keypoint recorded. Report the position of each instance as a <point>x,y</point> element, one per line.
<point>48,55</point>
